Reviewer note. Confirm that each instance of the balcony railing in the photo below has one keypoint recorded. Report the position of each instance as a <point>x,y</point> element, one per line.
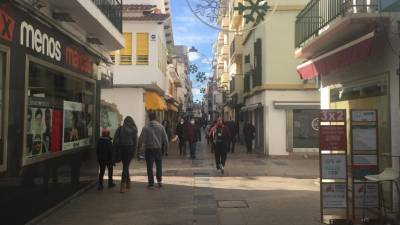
<point>319,13</point>
<point>112,9</point>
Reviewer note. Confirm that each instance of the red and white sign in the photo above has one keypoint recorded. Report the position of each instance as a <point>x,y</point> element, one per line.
<point>7,25</point>
<point>333,116</point>
<point>334,195</point>
<point>78,60</point>
<point>333,137</point>
<point>366,195</point>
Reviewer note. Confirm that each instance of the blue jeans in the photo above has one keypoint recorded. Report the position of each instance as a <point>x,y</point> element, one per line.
<point>151,156</point>
<point>192,150</point>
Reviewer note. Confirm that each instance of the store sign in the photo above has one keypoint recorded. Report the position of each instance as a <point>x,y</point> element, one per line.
<point>333,166</point>
<point>333,116</point>
<point>333,137</point>
<point>78,60</point>
<point>363,116</point>
<point>39,41</point>
<point>334,195</point>
<point>7,25</point>
<point>366,195</point>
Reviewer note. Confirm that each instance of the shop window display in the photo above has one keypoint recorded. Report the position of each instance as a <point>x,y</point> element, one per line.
<point>2,77</point>
<point>59,114</point>
<point>305,128</point>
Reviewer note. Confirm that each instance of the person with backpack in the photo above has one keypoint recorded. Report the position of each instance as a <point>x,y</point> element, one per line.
<point>221,136</point>
<point>104,151</point>
<point>125,142</point>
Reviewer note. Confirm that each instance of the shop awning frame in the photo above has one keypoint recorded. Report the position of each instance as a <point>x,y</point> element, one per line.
<point>251,107</point>
<point>296,104</point>
<point>350,53</point>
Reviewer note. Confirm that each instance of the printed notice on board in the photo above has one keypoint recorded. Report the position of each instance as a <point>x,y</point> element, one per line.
<point>364,138</point>
<point>363,116</point>
<point>366,195</point>
<point>333,166</point>
<point>334,195</point>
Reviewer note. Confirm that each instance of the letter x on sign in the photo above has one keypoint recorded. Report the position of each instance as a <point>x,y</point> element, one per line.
<point>7,25</point>
<point>333,116</point>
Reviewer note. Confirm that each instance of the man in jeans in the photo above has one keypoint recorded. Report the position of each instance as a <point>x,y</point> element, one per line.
<point>152,139</point>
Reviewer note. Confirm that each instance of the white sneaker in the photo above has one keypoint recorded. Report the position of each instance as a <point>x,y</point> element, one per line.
<point>222,168</point>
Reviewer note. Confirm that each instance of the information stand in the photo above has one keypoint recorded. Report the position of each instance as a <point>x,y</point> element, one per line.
<point>364,161</point>
<point>333,166</point>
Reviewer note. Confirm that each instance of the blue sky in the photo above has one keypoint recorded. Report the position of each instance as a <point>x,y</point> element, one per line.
<point>189,31</point>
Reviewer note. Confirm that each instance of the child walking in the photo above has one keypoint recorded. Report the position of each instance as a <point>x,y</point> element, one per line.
<point>105,158</point>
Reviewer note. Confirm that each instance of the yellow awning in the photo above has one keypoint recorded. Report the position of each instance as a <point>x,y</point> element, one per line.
<point>171,107</point>
<point>154,102</point>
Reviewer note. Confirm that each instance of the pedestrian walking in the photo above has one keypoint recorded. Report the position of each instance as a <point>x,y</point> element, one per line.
<point>165,124</point>
<point>193,134</point>
<point>104,151</point>
<point>210,135</point>
<point>125,141</point>
<point>152,139</point>
<point>180,132</point>
<point>221,135</point>
<point>233,131</point>
<point>249,133</point>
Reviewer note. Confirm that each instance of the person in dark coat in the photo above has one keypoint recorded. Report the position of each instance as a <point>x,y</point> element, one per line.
<point>193,135</point>
<point>105,158</point>
<point>249,133</point>
<point>221,135</point>
<point>180,132</point>
<point>233,131</point>
<point>165,124</point>
<point>126,140</point>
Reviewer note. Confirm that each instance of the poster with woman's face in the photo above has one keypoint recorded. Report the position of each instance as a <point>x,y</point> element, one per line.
<point>75,129</point>
<point>39,122</point>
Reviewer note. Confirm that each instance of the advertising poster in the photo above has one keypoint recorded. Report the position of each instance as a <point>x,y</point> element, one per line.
<point>363,116</point>
<point>333,138</point>
<point>364,138</point>
<point>75,132</point>
<point>366,195</point>
<point>56,133</point>
<point>333,115</point>
<point>364,165</point>
<point>334,195</point>
<point>333,166</point>
<point>39,130</point>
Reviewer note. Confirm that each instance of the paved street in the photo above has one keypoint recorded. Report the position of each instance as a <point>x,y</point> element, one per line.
<point>253,191</point>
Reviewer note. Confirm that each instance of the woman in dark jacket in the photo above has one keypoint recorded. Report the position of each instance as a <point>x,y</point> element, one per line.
<point>104,156</point>
<point>125,140</point>
<point>165,124</point>
<point>180,132</point>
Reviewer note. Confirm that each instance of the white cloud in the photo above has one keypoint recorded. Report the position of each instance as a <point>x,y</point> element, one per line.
<point>196,91</point>
<point>193,56</point>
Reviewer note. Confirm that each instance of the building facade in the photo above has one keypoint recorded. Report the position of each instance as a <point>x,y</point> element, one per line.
<point>53,62</point>
<point>355,56</point>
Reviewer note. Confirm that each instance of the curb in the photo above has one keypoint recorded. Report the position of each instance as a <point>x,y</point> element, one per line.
<point>50,211</point>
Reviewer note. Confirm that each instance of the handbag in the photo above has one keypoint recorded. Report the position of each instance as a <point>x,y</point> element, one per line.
<point>116,147</point>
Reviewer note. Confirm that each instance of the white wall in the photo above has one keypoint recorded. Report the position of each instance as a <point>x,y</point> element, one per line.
<point>142,74</point>
<point>129,101</point>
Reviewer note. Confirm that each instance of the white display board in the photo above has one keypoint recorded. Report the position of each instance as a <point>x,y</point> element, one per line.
<point>364,138</point>
<point>366,195</point>
<point>334,195</point>
<point>333,166</point>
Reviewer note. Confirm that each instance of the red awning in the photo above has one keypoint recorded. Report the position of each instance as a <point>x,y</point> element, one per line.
<point>345,55</point>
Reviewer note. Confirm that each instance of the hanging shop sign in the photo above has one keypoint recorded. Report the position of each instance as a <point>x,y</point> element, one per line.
<point>7,25</point>
<point>333,137</point>
<point>334,195</point>
<point>366,195</point>
<point>333,166</point>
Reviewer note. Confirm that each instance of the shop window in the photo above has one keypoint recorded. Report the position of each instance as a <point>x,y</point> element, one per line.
<point>305,128</point>
<point>60,112</point>
<point>126,53</point>
<point>2,79</point>
<point>142,48</point>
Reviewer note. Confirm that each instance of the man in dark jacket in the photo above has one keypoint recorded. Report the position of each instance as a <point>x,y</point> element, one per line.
<point>193,136</point>
<point>152,139</point>
<point>125,139</point>
<point>249,133</point>
<point>180,132</point>
<point>104,156</point>
<point>233,131</point>
<point>221,135</point>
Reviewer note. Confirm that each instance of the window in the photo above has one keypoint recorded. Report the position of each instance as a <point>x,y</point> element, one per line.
<point>112,56</point>
<point>142,48</point>
<point>305,128</point>
<point>3,156</point>
<point>60,112</point>
<point>126,53</point>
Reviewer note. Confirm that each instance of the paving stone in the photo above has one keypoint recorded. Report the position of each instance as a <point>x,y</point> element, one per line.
<point>232,204</point>
<point>204,211</point>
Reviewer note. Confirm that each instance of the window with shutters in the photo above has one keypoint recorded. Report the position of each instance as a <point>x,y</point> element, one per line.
<point>142,49</point>
<point>126,53</point>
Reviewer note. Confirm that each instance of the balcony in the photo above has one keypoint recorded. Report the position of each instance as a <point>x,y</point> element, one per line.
<point>224,51</point>
<point>235,17</point>
<point>236,47</point>
<point>100,19</point>
<point>325,24</point>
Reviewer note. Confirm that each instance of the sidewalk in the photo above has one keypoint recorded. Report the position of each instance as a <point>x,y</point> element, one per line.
<point>253,191</point>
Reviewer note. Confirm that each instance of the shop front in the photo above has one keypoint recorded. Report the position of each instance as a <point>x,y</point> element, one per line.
<point>48,116</point>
